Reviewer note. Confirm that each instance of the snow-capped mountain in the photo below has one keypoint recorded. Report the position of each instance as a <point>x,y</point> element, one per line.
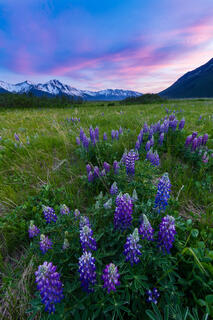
<point>56,88</point>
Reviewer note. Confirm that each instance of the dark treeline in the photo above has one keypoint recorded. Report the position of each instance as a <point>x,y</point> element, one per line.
<point>147,98</point>
<point>10,100</point>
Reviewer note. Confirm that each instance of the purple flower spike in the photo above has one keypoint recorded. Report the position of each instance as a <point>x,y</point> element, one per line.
<point>77,213</point>
<point>181,124</point>
<point>33,230</point>
<point>105,136</point>
<point>87,241</point>
<point>16,136</point>
<point>132,248</point>
<point>45,243</point>
<point>131,157</point>
<point>163,193</point>
<point>116,167</point>
<point>161,138</point>
<point>153,295</point>
<point>113,134</point>
<point>110,277</point>
<point>64,209</point>
<point>84,221</point>
<point>49,285</point>
<point>146,231</point>
<point>194,135</point>
<point>123,212</point>
<point>114,188</point>
<point>120,130</point>
<point>96,172</point>
<point>205,138</point>
<point>89,168</point>
<point>103,173</point>
<point>106,166</point>
<point>194,144</point>
<point>49,214</point>
<point>166,234</point>
<point>188,141</point>
<point>148,145</point>
<point>87,271</point>
<point>78,141</point>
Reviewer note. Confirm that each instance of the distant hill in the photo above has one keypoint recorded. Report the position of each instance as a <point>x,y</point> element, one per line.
<point>194,84</point>
<point>55,88</point>
<point>144,99</point>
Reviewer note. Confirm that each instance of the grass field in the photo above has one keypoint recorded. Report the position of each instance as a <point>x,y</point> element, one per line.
<point>46,155</point>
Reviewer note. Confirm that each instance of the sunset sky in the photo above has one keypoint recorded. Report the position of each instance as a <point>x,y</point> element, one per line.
<point>143,45</point>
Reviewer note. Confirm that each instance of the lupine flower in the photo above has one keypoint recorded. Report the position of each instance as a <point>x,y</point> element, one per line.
<point>161,138</point>
<point>181,124</point>
<point>33,230</point>
<point>194,144</point>
<point>106,166</point>
<point>89,168</point>
<point>49,214</point>
<point>49,285</point>
<point>96,172</point>
<point>108,204</point>
<point>123,212</point>
<point>105,136</point>
<point>146,231</point>
<point>45,243</point>
<point>90,176</point>
<point>16,136</point>
<point>120,130</point>
<point>81,134</point>
<point>199,141</point>
<point>116,135</point>
<point>131,157</point>
<point>163,193</point>
<point>114,188</point>
<point>87,271</point>
<point>97,133</point>
<point>153,295</point>
<point>205,138</point>
<point>166,234</point>
<point>84,221</point>
<point>87,241</point>
<point>134,195</point>
<point>173,124</point>
<point>132,248</point>
<point>113,134</point>
<point>78,141</point>
<point>152,141</point>
<point>137,145</point>
<point>85,142</point>
<point>103,172</point>
<point>188,141</point>
<point>205,157</point>
<point>64,209</point>
<point>145,128</point>
<point>116,167</point>
<point>148,145</point>
<point>123,158</point>
<point>110,277</point>
<point>77,213</point>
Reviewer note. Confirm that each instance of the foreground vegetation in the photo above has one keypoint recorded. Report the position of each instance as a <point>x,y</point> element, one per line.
<point>43,166</point>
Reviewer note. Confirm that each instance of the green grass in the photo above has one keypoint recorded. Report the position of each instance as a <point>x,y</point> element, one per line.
<point>51,159</point>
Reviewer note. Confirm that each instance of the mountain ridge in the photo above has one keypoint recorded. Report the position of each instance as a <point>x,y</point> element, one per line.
<point>197,83</point>
<point>54,88</point>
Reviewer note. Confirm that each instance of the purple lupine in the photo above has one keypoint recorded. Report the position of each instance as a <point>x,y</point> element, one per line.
<point>16,136</point>
<point>85,142</point>
<point>89,168</point>
<point>205,157</point>
<point>116,135</point>
<point>173,124</point>
<point>181,124</point>
<point>132,248</point>
<point>194,144</point>
<point>148,145</point>
<point>194,134</point>
<point>166,234</point>
<point>87,241</point>
<point>106,166</point>
<point>64,209</point>
<point>84,221</point>
<point>199,141</point>
<point>137,145</point>
<point>110,277</point>
<point>45,243</point>
<point>123,158</point>
<point>33,230</point>
<point>161,138</point>
<point>81,135</point>
<point>188,141</point>
<point>92,135</point>
<point>96,172</point>
<point>153,295</point>
<point>49,214</point>
<point>145,128</point>
<point>120,130</point>
<point>171,117</point>
<point>114,188</point>
<point>90,176</point>
<point>116,167</point>
<point>87,270</point>
<point>103,173</point>
<point>152,141</point>
<point>49,285</point>
<point>113,134</point>
<point>77,213</point>
<point>155,159</point>
<point>205,138</point>
<point>146,231</point>
<point>108,205</point>
<point>131,157</point>
<point>163,193</point>
<point>97,133</point>
<point>123,212</point>
<point>105,136</point>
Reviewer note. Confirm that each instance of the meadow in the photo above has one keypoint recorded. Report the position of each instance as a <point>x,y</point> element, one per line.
<point>43,166</point>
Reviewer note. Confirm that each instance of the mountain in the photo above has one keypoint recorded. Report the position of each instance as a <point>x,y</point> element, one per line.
<point>194,84</point>
<point>54,88</point>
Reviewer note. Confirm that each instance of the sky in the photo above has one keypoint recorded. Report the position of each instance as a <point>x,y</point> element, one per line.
<point>142,45</point>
